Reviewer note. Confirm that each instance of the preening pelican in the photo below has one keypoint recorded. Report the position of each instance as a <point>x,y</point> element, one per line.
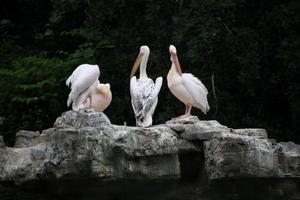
<point>186,87</point>
<point>101,98</point>
<point>86,90</point>
<point>143,91</point>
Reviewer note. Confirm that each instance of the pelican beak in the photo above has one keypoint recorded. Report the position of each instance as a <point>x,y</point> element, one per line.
<point>136,65</point>
<point>176,62</point>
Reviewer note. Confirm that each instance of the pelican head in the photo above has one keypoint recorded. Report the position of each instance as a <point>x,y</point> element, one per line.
<point>144,51</point>
<point>172,49</point>
<point>103,88</point>
<point>174,58</point>
<point>173,52</point>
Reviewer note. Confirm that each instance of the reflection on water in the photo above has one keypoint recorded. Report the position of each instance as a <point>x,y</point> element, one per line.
<point>265,189</point>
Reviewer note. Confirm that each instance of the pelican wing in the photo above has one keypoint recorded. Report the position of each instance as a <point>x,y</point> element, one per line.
<point>197,90</point>
<point>136,97</point>
<point>143,95</point>
<point>74,76</point>
<point>151,101</point>
<point>84,77</point>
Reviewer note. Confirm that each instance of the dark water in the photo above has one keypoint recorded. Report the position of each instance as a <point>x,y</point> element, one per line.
<point>252,189</point>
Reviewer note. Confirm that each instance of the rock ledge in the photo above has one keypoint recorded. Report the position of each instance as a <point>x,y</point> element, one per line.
<point>86,144</point>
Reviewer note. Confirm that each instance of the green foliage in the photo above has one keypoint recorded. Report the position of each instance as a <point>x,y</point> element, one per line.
<point>251,48</point>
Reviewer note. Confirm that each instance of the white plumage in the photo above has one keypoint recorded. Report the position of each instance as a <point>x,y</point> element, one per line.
<point>186,87</point>
<point>83,82</point>
<point>86,90</point>
<point>100,99</point>
<point>144,92</point>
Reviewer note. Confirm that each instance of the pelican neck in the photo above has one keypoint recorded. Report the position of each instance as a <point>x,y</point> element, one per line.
<point>143,73</point>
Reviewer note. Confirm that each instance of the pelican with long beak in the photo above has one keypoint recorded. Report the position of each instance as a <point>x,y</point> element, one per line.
<point>186,87</point>
<point>86,90</point>
<point>143,91</point>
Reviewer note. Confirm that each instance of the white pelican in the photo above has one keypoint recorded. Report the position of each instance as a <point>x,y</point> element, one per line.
<point>101,98</point>
<point>143,91</point>
<point>86,90</point>
<point>186,87</point>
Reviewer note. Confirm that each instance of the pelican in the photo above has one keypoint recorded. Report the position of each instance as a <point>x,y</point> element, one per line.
<point>101,98</point>
<point>186,87</point>
<point>143,91</point>
<point>86,90</point>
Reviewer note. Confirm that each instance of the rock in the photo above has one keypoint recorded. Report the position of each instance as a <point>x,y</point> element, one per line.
<point>24,138</point>
<point>136,141</point>
<point>183,120</point>
<point>235,156</point>
<point>189,146</point>
<point>106,151</point>
<point>85,145</point>
<point>288,159</point>
<point>81,118</point>
<point>191,128</point>
<point>2,144</point>
<point>253,132</point>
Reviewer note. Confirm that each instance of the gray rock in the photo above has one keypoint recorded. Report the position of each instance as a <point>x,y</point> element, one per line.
<point>135,141</point>
<point>91,150</point>
<point>25,138</point>
<point>2,144</point>
<point>235,156</point>
<point>253,132</point>
<point>85,144</point>
<point>288,159</point>
<point>191,128</point>
<point>189,146</point>
<point>81,118</point>
<point>183,120</point>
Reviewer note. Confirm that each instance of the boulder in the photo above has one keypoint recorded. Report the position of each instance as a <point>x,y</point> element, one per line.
<point>234,156</point>
<point>83,118</point>
<point>25,138</point>
<point>85,144</point>
<point>288,159</point>
<point>252,132</point>
<point>191,128</point>
<point>90,149</point>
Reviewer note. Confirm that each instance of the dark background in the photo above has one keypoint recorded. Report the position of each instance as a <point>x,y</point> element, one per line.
<point>249,49</point>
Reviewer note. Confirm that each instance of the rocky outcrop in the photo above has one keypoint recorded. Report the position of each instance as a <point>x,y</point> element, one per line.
<point>85,144</point>
<point>24,138</point>
<point>84,118</point>
<point>191,128</point>
<point>236,156</point>
<point>288,155</point>
<point>109,151</point>
<point>239,156</point>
